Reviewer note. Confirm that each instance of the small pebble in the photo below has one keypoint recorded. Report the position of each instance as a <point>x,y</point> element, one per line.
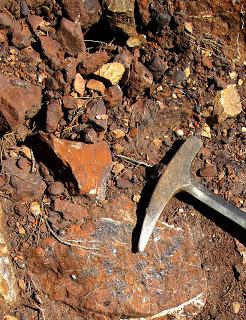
<point>208,171</point>
<point>35,208</point>
<point>117,168</point>
<point>136,198</point>
<point>236,307</point>
<point>56,188</point>
<point>118,148</point>
<point>118,133</point>
<point>122,183</point>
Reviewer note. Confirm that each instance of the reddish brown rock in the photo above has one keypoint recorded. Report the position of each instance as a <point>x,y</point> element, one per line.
<point>113,96</point>
<point>3,3</point>
<point>69,102</point>
<point>90,164</point>
<point>70,211</point>
<point>35,22</point>
<point>206,61</point>
<point>166,279</point>
<point>140,79</point>
<point>53,51</point>
<point>35,3</point>
<point>53,115</point>
<point>87,12</point>
<point>71,37</point>
<point>96,85</point>
<point>208,171</point>
<point>3,36</point>
<point>143,7</point>
<point>6,19</point>
<point>56,189</point>
<point>71,64</point>
<point>92,62</point>
<point>21,34</point>
<point>97,113</point>
<point>26,185</point>
<point>18,99</point>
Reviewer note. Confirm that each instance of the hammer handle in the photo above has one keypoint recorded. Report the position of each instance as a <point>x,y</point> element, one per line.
<point>219,204</point>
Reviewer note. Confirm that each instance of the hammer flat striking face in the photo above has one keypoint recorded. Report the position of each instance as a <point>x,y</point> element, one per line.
<point>176,178</point>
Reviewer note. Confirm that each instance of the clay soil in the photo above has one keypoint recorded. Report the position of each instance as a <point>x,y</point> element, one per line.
<point>199,52</point>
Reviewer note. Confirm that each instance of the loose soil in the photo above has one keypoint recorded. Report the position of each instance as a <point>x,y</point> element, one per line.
<point>189,69</point>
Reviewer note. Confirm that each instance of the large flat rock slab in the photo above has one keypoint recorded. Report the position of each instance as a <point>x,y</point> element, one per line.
<point>167,279</point>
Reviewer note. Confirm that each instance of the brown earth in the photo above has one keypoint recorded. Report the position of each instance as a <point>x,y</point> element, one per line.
<point>90,148</point>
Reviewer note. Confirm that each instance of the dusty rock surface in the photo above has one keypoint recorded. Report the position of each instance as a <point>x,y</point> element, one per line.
<point>166,280</point>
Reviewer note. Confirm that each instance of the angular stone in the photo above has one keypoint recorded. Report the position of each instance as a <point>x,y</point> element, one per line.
<point>53,115</point>
<point>3,3</point>
<point>6,19</point>
<point>71,37</point>
<point>87,12</point>
<point>112,71</point>
<point>140,79</point>
<point>166,279</point>
<point>53,51</point>
<point>21,34</point>
<point>70,211</point>
<point>121,15</point>
<point>90,164</point>
<point>26,185</point>
<point>97,113</point>
<point>35,22</point>
<point>8,286</point>
<point>208,171</point>
<point>227,103</point>
<point>18,99</point>
<point>96,85</point>
<point>69,102</point>
<point>93,61</point>
<point>113,96</point>
<point>79,84</point>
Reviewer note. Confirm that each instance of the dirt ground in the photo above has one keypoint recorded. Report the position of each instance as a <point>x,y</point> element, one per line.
<point>177,57</point>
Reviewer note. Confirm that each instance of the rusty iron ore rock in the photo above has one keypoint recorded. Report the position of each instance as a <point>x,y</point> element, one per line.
<point>167,279</point>
<point>18,99</point>
<point>89,164</point>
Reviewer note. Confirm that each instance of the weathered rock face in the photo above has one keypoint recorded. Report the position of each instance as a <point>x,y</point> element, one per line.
<point>90,164</point>
<point>165,280</point>
<point>26,185</point>
<point>121,15</point>
<point>52,49</point>
<point>87,12</point>
<point>18,99</point>
<point>71,37</point>
<point>21,35</point>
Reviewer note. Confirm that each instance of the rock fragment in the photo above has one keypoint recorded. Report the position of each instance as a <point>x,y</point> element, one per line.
<point>113,96</point>
<point>87,12</point>
<point>21,35</point>
<point>97,114</point>
<point>208,171</point>
<point>26,185</point>
<point>121,16</point>
<point>112,71</point>
<point>131,285</point>
<point>69,210</point>
<point>71,37</point>
<point>52,49</point>
<point>89,164</point>
<point>18,99</point>
<point>96,85</point>
<point>79,84</point>
<point>93,61</point>
<point>53,115</point>
<point>140,79</point>
<point>227,103</point>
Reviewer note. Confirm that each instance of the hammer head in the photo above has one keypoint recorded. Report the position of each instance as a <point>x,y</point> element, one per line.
<point>175,178</point>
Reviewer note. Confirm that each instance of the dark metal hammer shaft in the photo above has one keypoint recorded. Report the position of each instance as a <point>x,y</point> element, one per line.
<point>176,178</point>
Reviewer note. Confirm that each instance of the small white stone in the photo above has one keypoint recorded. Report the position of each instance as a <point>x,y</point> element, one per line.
<point>180,132</point>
